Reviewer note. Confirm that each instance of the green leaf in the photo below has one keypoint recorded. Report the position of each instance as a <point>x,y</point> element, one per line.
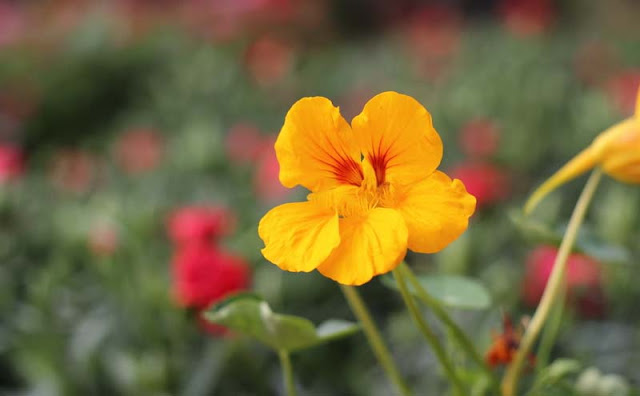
<point>553,375</point>
<point>534,230</point>
<point>250,315</point>
<point>452,290</point>
<point>587,242</point>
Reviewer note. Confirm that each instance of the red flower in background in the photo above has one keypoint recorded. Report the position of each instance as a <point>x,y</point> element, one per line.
<point>203,274</point>
<point>223,20</point>
<point>433,37</point>
<point>527,17</point>
<point>479,138</point>
<point>435,31</point>
<point>623,89</point>
<point>17,103</point>
<point>199,224</point>
<point>595,61</point>
<point>584,280</point>
<point>244,143</point>
<point>73,170</point>
<point>269,60</point>
<point>487,182</point>
<point>139,150</point>
<point>11,163</point>
<point>266,179</point>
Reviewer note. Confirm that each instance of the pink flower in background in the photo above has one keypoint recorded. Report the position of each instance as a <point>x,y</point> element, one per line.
<point>435,31</point>
<point>224,20</point>
<point>103,240</point>
<point>269,60</point>
<point>12,164</point>
<point>584,280</point>
<point>487,182</point>
<point>244,143</point>
<point>527,17</point>
<point>73,170</point>
<point>623,89</point>
<point>203,274</point>
<point>266,179</point>
<point>479,138</point>
<point>13,23</point>
<point>433,38</point>
<point>199,224</point>
<point>139,150</point>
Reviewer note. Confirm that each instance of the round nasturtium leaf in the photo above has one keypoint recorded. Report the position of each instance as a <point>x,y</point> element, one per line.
<point>250,315</point>
<point>451,290</point>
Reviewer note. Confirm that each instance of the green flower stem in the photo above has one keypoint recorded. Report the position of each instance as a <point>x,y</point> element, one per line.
<point>375,340</point>
<point>550,331</point>
<point>287,373</point>
<point>553,289</point>
<point>455,330</point>
<point>428,333</point>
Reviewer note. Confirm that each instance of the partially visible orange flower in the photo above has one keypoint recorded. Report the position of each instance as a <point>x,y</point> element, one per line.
<point>505,345</point>
<point>616,151</point>
<point>375,190</point>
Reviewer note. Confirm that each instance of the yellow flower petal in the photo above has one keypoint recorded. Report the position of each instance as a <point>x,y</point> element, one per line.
<point>299,236</point>
<point>316,148</point>
<point>370,245</point>
<point>436,211</point>
<point>619,150</point>
<point>396,135</point>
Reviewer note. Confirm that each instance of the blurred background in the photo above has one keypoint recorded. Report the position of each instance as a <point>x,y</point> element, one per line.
<point>136,158</point>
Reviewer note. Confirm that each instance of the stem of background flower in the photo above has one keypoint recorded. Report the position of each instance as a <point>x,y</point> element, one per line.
<point>441,313</point>
<point>375,340</point>
<point>428,333</point>
<point>553,289</point>
<point>287,373</point>
<point>550,331</point>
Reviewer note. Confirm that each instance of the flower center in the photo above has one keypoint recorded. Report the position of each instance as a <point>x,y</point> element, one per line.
<point>357,197</point>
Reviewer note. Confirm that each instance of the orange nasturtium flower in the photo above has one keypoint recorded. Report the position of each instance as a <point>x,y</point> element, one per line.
<point>375,190</point>
<point>616,151</point>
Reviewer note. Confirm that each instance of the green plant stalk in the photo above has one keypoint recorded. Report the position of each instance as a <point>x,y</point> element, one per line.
<point>454,329</point>
<point>428,333</point>
<point>287,373</point>
<point>550,331</point>
<point>553,289</point>
<point>374,338</point>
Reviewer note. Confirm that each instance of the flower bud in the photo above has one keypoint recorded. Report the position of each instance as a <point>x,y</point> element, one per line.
<point>616,151</point>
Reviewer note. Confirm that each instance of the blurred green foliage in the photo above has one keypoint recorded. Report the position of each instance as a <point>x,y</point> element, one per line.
<point>75,322</point>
